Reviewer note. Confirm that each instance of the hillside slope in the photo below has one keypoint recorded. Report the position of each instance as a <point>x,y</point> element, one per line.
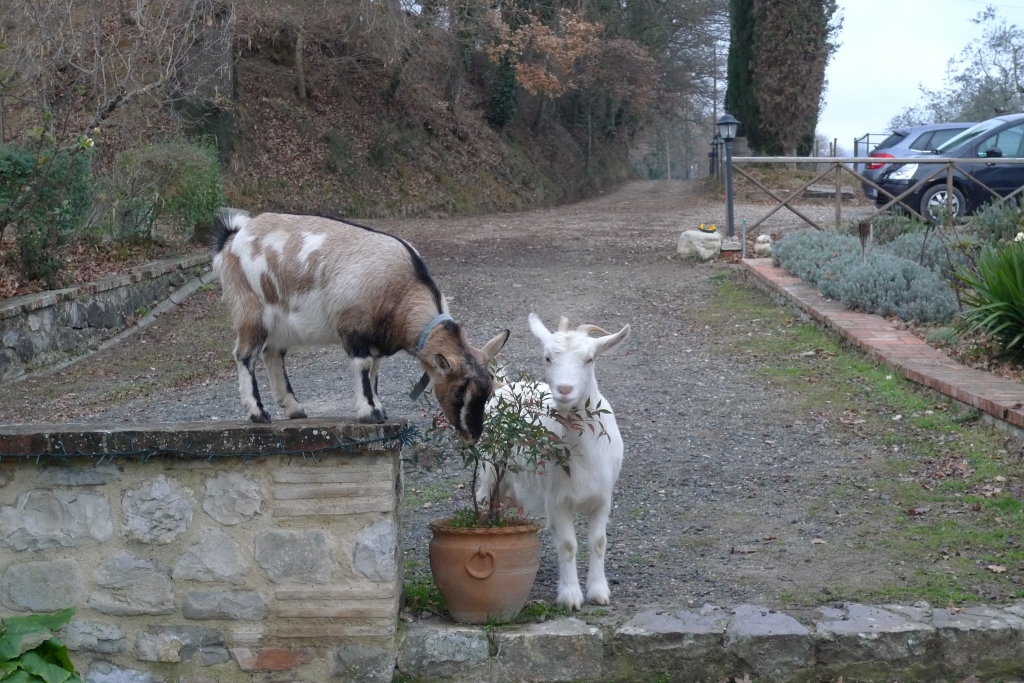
<point>351,150</point>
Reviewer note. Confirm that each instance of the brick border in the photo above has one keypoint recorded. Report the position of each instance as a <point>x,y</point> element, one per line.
<point>911,356</point>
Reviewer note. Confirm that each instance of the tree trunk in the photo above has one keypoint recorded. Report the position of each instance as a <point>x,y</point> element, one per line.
<point>590,138</point>
<point>300,77</point>
<point>541,107</point>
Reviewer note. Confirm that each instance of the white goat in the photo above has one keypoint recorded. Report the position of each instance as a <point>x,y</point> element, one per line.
<point>585,484</point>
<point>299,280</point>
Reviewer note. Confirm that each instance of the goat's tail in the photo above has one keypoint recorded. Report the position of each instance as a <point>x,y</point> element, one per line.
<point>226,224</point>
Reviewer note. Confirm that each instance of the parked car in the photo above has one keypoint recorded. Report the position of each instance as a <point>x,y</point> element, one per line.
<point>908,142</point>
<point>1001,137</point>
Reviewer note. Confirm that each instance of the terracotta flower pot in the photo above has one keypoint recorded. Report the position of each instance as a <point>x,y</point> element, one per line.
<point>484,573</point>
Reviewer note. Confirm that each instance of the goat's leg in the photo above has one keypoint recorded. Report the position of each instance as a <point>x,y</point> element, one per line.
<point>597,542</point>
<point>368,408</point>
<point>569,594</point>
<point>245,359</point>
<point>279,384</point>
<point>374,376</point>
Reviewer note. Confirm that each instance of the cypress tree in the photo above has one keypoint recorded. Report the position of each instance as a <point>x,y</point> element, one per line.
<point>740,97</point>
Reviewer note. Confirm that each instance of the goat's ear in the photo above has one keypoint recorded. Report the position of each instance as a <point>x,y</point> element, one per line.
<point>611,341</point>
<point>492,347</point>
<point>538,329</point>
<point>441,364</point>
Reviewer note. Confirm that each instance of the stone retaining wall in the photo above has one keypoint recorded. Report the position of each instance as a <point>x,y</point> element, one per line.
<point>208,552</point>
<point>37,330</point>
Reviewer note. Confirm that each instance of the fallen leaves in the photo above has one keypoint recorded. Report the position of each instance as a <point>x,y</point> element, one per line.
<point>919,510</point>
<point>742,550</point>
<point>996,568</point>
<point>818,541</point>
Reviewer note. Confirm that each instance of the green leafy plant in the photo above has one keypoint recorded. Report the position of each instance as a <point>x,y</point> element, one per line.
<point>515,439</point>
<point>883,282</point>
<point>45,194</point>
<point>994,296</point>
<point>998,221</point>
<point>177,183</point>
<point>30,653</point>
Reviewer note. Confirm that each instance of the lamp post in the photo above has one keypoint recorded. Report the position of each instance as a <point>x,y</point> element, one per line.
<point>727,126</point>
<point>715,156</point>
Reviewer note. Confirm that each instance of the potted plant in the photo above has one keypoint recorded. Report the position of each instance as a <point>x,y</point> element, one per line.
<point>484,559</point>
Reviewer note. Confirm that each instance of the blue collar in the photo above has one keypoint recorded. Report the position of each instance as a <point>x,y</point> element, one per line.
<point>442,317</point>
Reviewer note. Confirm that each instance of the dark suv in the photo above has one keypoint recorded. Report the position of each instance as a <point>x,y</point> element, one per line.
<point>904,143</point>
<point>1001,137</point>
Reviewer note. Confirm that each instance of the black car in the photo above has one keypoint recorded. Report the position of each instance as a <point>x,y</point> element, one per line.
<point>1001,137</point>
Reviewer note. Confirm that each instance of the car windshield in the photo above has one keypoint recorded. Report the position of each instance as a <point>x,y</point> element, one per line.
<point>969,134</point>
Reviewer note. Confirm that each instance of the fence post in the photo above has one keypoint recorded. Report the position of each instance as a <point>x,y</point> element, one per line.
<point>728,184</point>
<point>839,189</point>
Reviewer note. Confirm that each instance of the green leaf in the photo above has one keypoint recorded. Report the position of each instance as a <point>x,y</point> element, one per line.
<point>54,651</point>
<point>51,673</point>
<point>22,676</point>
<point>23,632</point>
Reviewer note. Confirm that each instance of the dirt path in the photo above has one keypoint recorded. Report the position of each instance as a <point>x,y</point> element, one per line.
<point>738,485</point>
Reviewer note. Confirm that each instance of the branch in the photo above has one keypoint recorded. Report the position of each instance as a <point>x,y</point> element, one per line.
<point>122,98</point>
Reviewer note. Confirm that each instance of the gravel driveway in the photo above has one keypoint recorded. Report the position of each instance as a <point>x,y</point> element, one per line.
<point>720,481</point>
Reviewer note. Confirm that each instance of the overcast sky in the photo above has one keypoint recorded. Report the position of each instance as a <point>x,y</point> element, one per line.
<point>887,48</point>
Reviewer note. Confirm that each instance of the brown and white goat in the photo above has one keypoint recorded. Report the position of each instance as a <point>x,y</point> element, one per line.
<point>294,280</point>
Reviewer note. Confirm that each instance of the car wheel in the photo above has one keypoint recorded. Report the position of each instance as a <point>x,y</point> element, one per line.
<point>933,203</point>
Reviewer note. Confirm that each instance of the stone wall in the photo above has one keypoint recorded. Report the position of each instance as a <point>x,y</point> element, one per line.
<point>41,329</point>
<point>208,552</point>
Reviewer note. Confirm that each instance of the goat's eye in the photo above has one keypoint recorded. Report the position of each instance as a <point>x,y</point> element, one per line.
<point>547,359</point>
<point>589,360</point>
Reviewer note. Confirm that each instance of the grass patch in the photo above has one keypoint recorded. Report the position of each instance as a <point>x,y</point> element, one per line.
<point>421,594</point>
<point>946,497</point>
<point>432,493</point>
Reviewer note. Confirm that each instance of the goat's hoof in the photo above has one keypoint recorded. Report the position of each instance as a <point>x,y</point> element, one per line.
<point>297,414</point>
<point>570,599</point>
<point>262,418</point>
<point>375,417</point>
<point>598,596</point>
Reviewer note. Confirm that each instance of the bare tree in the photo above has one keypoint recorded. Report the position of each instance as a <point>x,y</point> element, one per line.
<point>986,80</point>
<point>70,68</point>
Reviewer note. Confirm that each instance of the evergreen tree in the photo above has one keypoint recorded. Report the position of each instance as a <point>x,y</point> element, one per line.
<point>777,56</point>
<point>740,100</point>
<point>792,46</point>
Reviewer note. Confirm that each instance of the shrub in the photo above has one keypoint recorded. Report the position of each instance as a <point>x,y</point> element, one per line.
<point>887,227</point>
<point>503,102</point>
<point>514,439</point>
<point>176,183</point>
<point>58,198</point>
<point>806,254</point>
<point>929,249</point>
<point>389,144</point>
<point>340,154</point>
<point>834,272</point>
<point>998,221</point>
<point>889,285</point>
<point>994,297</point>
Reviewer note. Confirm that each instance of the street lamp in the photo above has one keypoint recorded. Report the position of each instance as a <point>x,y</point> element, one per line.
<point>716,146</point>
<point>727,126</point>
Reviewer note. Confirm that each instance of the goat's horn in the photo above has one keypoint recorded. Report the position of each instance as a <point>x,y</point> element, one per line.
<point>563,324</point>
<point>587,329</point>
